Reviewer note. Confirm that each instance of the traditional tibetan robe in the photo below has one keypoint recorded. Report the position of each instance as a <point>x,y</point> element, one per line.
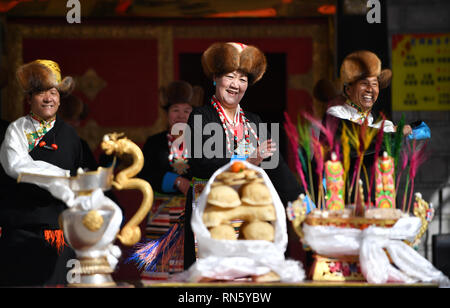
<point>161,167</point>
<point>349,111</point>
<point>281,176</point>
<point>32,247</point>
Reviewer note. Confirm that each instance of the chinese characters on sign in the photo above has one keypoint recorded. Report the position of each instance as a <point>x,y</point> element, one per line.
<point>421,72</point>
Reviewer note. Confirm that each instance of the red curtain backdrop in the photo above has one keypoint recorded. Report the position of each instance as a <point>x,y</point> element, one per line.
<point>128,66</point>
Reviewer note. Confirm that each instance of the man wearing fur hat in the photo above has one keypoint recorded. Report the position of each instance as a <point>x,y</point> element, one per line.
<point>362,79</point>
<point>33,247</point>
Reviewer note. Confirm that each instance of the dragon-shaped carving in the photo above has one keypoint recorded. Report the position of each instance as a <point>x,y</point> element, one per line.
<point>117,144</point>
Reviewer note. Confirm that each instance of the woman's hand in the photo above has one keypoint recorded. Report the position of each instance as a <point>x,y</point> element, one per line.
<point>266,149</point>
<point>182,184</point>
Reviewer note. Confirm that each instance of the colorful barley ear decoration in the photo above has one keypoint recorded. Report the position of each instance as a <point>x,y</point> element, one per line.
<point>345,155</point>
<point>294,142</point>
<point>418,156</point>
<point>318,155</point>
<point>304,135</point>
<point>378,144</point>
<point>328,130</point>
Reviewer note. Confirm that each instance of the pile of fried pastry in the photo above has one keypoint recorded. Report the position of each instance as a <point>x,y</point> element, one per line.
<point>240,195</point>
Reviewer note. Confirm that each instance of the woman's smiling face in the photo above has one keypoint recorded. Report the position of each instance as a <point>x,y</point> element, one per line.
<point>230,88</point>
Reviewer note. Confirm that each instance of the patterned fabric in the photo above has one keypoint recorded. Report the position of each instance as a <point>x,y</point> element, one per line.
<point>362,114</point>
<point>165,213</point>
<point>36,131</point>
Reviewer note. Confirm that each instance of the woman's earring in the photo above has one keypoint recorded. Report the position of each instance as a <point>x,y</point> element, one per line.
<point>214,83</point>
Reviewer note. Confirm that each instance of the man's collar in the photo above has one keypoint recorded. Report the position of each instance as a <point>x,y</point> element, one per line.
<point>41,120</point>
<point>358,108</point>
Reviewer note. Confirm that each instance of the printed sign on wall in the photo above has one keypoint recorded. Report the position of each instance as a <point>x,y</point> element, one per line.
<point>421,72</point>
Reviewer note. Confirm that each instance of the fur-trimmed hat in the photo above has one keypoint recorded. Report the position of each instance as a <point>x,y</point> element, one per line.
<point>178,92</point>
<point>361,64</point>
<point>223,58</point>
<point>41,75</point>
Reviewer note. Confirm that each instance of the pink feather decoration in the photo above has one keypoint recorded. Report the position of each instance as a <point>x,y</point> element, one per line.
<point>378,143</point>
<point>329,134</point>
<point>319,160</point>
<point>318,154</point>
<point>417,158</point>
<point>293,140</point>
<point>290,128</point>
<point>405,158</point>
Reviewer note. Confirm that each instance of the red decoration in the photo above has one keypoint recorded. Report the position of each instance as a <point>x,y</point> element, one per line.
<point>123,6</point>
<point>54,146</point>
<point>42,144</point>
<point>327,9</point>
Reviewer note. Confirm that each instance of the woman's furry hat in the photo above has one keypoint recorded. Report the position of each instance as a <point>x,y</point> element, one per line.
<point>361,64</point>
<point>223,58</point>
<point>179,92</point>
<point>41,75</point>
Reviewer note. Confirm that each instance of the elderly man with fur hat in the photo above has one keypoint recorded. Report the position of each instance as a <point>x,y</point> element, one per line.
<point>32,246</point>
<point>362,79</point>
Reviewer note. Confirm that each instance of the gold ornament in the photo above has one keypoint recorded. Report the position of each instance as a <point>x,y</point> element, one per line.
<point>93,221</point>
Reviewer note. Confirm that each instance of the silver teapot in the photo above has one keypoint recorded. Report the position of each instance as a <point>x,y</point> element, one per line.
<point>92,221</point>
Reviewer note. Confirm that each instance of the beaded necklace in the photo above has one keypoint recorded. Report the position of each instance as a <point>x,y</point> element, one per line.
<point>363,114</point>
<point>177,157</point>
<point>227,126</point>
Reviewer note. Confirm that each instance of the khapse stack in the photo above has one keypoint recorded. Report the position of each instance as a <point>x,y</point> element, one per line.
<point>240,227</point>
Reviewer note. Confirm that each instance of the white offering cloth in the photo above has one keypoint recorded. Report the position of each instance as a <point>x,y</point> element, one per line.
<point>96,201</point>
<point>369,243</point>
<point>227,259</point>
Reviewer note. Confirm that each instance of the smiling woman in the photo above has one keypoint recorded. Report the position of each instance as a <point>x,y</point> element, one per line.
<point>233,68</point>
<point>230,88</point>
